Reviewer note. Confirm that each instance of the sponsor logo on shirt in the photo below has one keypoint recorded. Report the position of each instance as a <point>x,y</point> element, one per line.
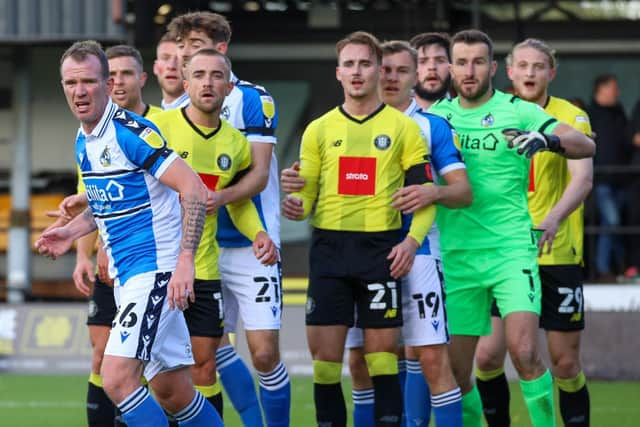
<point>357,176</point>
<point>111,193</point>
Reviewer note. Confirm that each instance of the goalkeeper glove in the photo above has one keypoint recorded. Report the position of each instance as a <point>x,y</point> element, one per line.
<point>530,142</point>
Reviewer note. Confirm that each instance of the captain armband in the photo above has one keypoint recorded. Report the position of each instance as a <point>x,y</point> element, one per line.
<point>419,174</point>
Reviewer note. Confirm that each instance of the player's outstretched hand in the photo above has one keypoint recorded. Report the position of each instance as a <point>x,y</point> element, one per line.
<point>402,256</point>
<point>292,208</point>
<point>83,275</point>
<point>54,242</point>
<point>413,197</point>
<point>70,207</point>
<point>103,265</point>
<point>530,142</point>
<point>180,287</point>
<point>264,249</point>
<point>290,179</point>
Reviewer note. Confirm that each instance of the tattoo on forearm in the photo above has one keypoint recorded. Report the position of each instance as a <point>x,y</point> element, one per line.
<point>87,216</point>
<point>193,215</point>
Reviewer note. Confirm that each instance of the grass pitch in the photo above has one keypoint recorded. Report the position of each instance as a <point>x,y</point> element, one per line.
<point>58,401</point>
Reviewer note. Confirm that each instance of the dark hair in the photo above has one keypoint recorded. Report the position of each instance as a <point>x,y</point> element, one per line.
<point>123,50</point>
<point>602,80</point>
<point>473,37</point>
<point>81,50</point>
<point>214,25</point>
<point>427,39</point>
<point>362,38</point>
<point>399,46</point>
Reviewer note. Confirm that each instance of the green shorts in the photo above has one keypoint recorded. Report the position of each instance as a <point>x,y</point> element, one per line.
<point>474,277</point>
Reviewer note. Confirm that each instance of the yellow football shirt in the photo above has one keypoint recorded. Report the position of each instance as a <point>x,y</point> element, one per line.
<point>218,156</point>
<point>352,166</point>
<point>548,177</point>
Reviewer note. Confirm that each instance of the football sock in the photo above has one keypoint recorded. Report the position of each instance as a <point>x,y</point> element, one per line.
<point>574,400</point>
<point>383,370</point>
<point>213,393</point>
<point>494,391</point>
<point>327,394</point>
<point>417,403</point>
<point>402,378</point>
<point>238,383</point>
<point>139,409</point>
<point>275,396</point>
<point>362,407</point>
<point>100,409</point>
<point>447,408</point>
<point>538,395</point>
<point>472,408</point>
<point>198,413</point>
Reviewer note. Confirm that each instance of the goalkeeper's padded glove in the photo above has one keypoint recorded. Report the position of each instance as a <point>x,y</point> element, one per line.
<point>530,142</point>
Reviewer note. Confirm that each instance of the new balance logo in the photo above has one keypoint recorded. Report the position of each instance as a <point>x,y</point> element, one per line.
<point>391,313</point>
<point>337,143</point>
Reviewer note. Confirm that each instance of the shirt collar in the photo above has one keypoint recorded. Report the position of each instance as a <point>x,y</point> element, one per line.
<point>101,127</point>
<point>412,108</point>
<point>233,78</point>
<point>180,101</point>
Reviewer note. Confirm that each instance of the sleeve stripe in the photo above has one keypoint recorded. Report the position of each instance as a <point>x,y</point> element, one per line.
<point>546,124</point>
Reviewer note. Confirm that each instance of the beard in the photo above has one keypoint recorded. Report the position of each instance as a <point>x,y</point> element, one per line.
<point>433,95</point>
<point>483,87</point>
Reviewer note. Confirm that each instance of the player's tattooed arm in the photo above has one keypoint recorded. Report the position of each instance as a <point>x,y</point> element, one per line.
<point>193,215</point>
<point>193,201</point>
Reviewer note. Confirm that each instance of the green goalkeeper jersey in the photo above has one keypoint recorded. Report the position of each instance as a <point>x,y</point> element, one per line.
<point>499,177</point>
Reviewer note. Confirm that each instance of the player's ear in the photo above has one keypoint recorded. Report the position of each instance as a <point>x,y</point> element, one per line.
<point>185,84</point>
<point>230,86</point>
<point>494,67</point>
<point>143,79</point>
<point>109,85</point>
<point>510,73</point>
<point>222,47</point>
<point>552,74</point>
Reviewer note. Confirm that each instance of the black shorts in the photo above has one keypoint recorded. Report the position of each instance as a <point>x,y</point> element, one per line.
<point>562,298</point>
<point>495,311</point>
<point>205,317</point>
<point>102,305</point>
<point>351,268</point>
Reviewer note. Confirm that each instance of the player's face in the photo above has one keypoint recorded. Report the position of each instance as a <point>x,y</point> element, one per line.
<point>166,69</point>
<point>207,83</point>
<point>530,72</point>
<point>128,81</point>
<point>86,90</point>
<point>471,70</point>
<point>433,72</point>
<point>358,71</point>
<point>190,44</point>
<point>397,79</point>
